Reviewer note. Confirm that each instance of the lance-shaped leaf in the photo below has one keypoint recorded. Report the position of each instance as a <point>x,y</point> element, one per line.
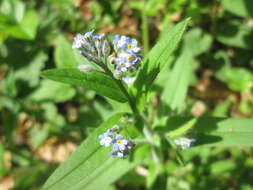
<point>176,88</point>
<point>91,166</point>
<point>99,82</point>
<point>157,58</point>
<point>213,131</point>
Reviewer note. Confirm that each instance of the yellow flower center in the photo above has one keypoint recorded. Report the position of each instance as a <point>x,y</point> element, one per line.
<point>129,46</point>
<point>130,58</point>
<point>119,142</point>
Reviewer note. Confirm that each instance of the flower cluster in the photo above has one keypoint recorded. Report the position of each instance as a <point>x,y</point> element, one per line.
<point>96,48</point>
<point>184,143</point>
<point>120,145</point>
<point>127,53</point>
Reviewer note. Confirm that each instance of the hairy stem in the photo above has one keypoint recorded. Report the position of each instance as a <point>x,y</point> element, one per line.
<point>123,89</point>
<point>149,136</point>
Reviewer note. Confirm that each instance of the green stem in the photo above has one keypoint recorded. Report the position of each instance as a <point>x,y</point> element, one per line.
<point>145,31</point>
<point>147,128</point>
<point>178,154</point>
<point>147,131</point>
<point>123,89</point>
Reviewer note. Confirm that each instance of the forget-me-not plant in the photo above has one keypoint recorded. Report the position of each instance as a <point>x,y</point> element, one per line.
<point>120,145</point>
<point>96,48</point>
<point>125,59</point>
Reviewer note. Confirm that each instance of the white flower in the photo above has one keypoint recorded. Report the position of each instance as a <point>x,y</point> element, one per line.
<point>105,140</point>
<point>184,143</point>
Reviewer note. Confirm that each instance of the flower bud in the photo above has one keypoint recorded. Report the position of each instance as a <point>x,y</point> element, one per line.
<point>92,46</point>
<point>106,49</point>
<point>85,68</point>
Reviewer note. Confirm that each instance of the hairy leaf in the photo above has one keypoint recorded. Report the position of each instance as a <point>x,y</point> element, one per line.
<point>176,89</point>
<point>99,82</point>
<point>64,54</point>
<point>213,131</point>
<point>157,58</point>
<point>53,91</point>
<point>90,166</point>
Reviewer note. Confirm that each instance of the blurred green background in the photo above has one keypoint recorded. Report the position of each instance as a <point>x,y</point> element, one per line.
<point>42,122</point>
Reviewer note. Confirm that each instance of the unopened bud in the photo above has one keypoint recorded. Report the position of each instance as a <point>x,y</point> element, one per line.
<point>85,68</point>
<point>106,49</point>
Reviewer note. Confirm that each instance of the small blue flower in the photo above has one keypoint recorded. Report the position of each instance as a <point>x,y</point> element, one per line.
<point>120,146</point>
<point>78,41</point>
<point>106,138</point>
<point>117,153</point>
<point>119,143</point>
<point>116,39</point>
<point>98,36</point>
<point>126,44</point>
<point>125,61</point>
<point>122,66</point>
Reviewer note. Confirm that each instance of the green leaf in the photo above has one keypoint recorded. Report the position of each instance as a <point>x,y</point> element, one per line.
<point>67,57</point>
<point>176,89</point>
<point>243,8</point>
<point>153,172</point>
<point>221,167</point>
<point>61,2</point>
<point>157,58</point>
<point>33,68</point>
<point>99,82</point>
<point>64,54</point>
<point>26,29</point>
<point>111,187</point>
<point>197,42</point>
<point>2,168</point>
<point>89,167</point>
<point>235,33</point>
<point>237,79</point>
<point>10,84</point>
<point>38,135</point>
<point>55,121</point>
<point>183,129</point>
<point>11,11</point>
<point>222,109</point>
<point>213,131</point>
<point>53,91</point>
